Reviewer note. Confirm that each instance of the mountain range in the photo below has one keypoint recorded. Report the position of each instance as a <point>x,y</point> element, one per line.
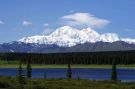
<point>69,39</point>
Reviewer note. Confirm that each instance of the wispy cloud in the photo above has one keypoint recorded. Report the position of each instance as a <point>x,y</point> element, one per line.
<point>71,11</point>
<point>85,19</point>
<point>46,24</point>
<point>1,22</point>
<point>26,23</point>
<point>129,30</point>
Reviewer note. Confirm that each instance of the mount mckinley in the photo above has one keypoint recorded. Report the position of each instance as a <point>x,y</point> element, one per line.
<point>69,39</point>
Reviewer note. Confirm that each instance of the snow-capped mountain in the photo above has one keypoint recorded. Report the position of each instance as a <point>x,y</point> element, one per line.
<point>68,39</point>
<point>67,36</point>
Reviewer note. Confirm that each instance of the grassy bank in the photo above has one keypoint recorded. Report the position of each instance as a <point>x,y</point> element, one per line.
<point>12,83</point>
<point>15,64</point>
<point>64,66</point>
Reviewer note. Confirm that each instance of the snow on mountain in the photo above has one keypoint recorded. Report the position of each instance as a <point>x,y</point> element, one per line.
<point>109,37</point>
<point>90,35</point>
<point>67,36</point>
<point>128,40</point>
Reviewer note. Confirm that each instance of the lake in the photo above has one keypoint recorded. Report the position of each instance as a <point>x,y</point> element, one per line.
<point>83,73</point>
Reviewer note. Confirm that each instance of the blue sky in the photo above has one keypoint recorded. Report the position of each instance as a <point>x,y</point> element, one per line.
<point>21,18</point>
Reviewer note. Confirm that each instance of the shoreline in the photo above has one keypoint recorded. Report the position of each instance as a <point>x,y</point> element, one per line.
<point>65,66</point>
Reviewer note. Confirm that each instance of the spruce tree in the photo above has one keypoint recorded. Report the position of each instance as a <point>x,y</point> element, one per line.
<point>69,71</point>
<point>45,75</point>
<point>20,77</point>
<point>114,71</point>
<point>29,69</point>
<point>78,78</point>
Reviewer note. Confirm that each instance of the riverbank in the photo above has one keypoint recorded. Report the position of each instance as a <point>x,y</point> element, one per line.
<point>12,83</point>
<point>64,66</point>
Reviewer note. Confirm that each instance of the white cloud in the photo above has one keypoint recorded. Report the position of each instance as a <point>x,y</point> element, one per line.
<point>47,31</point>
<point>84,19</point>
<point>26,23</point>
<point>1,22</point>
<point>46,24</point>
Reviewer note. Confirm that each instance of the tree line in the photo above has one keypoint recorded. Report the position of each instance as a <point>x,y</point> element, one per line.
<point>121,57</point>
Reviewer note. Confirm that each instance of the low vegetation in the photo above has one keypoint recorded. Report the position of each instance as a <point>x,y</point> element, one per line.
<point>12,83</point>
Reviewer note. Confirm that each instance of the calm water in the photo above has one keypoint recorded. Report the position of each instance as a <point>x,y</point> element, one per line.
<point>87,73</point>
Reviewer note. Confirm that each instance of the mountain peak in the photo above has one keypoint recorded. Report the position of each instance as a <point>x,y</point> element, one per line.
<point>87,30</point>
<point>67,36</point>
<point>66,27</point>
<point>110,37</point>
<point>65,30</point>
